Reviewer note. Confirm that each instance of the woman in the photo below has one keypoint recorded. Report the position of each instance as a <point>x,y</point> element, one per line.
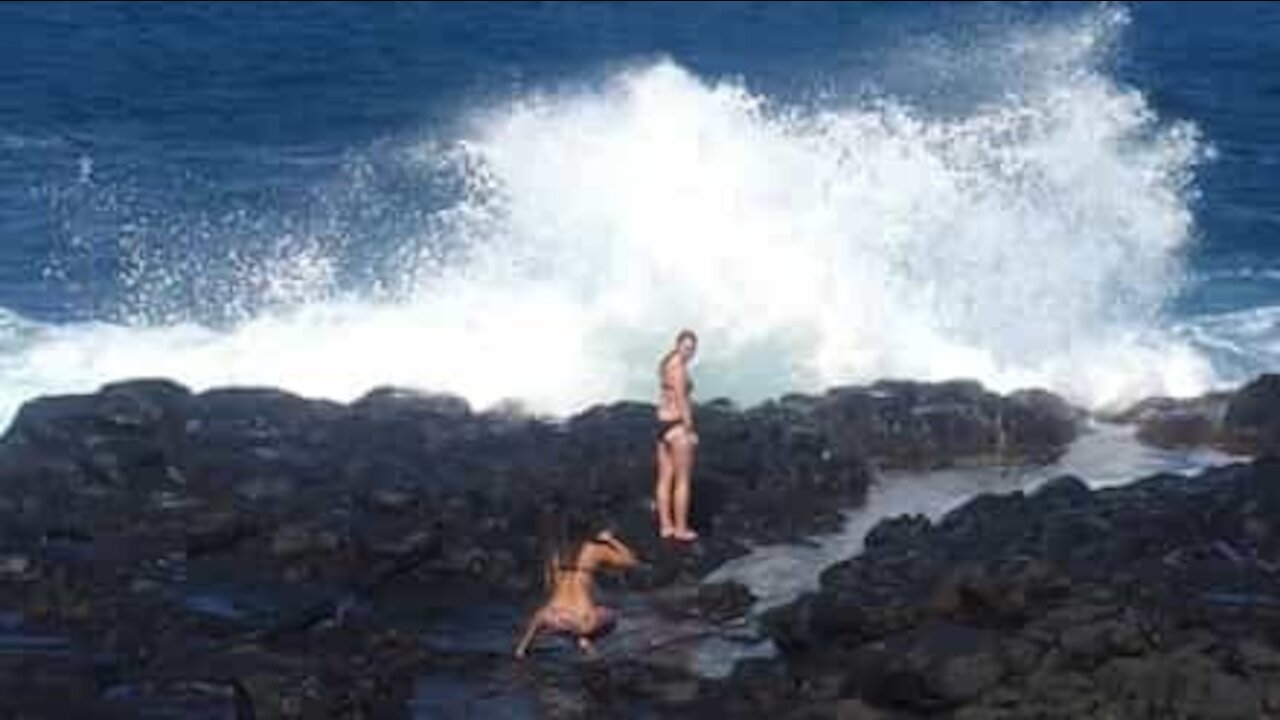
<point>572,608</point>
<point>676,440</point>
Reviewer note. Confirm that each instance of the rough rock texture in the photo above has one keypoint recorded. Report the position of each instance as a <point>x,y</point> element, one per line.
<point>246,550</point>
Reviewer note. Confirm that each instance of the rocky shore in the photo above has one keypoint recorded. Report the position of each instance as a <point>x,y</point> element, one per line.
<point>250,553</point>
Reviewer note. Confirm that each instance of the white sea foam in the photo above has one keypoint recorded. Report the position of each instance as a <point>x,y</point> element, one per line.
<point>1033,240</point>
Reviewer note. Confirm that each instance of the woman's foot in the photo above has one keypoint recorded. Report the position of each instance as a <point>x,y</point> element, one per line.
<point>664,531</point>
<point>685,535</point>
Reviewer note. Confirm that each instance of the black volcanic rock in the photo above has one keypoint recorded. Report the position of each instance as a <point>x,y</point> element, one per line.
<point>1134,601</point>
<point>1253,416</point>
<point>247,548</point>
<point>1246,421</point>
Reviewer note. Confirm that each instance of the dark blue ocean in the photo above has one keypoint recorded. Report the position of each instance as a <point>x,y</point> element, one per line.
<point>524,201</point>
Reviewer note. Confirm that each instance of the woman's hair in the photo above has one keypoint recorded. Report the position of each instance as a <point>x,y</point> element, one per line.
<point>563,537</point>
<point>685,334</point>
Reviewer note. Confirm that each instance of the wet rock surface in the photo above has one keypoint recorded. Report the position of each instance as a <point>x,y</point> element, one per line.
<point>1156,599</point>
<point>249,553</point>
<point>1246,421</point>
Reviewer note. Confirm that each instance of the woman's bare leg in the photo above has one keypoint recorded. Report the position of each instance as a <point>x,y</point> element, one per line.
<point>662,490</point>
<point>682,456</point>
<point>535,624</point>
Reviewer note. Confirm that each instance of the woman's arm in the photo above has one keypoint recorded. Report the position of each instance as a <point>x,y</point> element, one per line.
<point>535,624</point>
<point>616,552</point>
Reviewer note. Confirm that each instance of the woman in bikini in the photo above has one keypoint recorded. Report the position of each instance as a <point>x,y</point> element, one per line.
<point>676,440</point>
<point>572,608</point>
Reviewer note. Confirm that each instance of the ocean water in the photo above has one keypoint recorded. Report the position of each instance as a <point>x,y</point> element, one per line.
<point>526,201</point>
